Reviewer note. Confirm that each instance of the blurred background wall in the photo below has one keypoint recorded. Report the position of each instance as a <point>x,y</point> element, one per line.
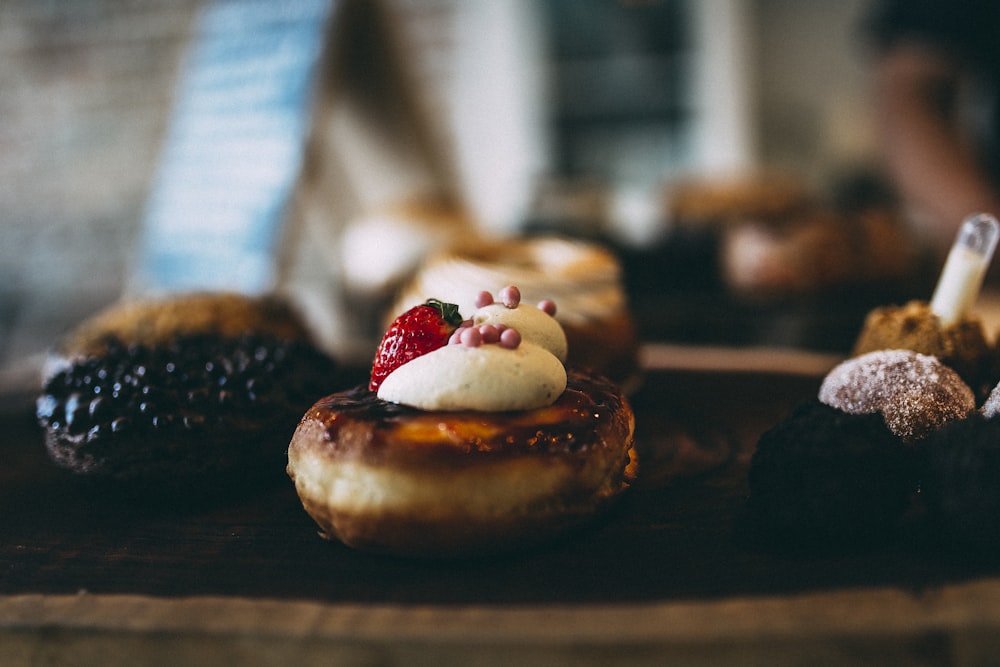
<point>85,92</point>
<point>86,88</point>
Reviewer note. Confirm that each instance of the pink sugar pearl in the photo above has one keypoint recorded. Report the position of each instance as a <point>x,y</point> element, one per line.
<point>471,337</point>
<point>547,306</point>
<point>489,333</point>
<point>456,335</point>
<point>510,296</point>
<point>483,299</point>
<point>510,338</point>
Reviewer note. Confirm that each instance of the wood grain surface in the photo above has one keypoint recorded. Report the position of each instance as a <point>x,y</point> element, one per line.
<point>674,570</point>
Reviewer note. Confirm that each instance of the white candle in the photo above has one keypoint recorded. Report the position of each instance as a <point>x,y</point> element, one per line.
<point>965,268</point>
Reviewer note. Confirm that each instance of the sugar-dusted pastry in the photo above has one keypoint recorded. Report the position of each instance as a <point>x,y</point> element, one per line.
<point>961,344</point>
<point>914,393</point>
<point>846,465</point>
<point>471,437</point>
<point>945,326</point>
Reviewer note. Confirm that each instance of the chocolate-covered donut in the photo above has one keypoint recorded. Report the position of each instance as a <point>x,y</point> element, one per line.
<point>183,396</point>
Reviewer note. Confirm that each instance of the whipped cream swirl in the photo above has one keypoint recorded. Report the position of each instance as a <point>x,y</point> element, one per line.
<point>479,370</point>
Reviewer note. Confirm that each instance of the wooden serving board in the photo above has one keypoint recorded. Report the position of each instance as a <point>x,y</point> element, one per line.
<point>673,572</point>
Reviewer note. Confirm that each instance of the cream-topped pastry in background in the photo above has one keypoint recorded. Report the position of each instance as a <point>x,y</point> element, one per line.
<point>471,437</point>
<point>584,278</point>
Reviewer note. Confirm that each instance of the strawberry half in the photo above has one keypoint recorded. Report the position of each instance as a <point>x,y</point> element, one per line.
<point>416,332</point>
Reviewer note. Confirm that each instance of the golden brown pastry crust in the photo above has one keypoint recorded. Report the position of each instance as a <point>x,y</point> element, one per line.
<point>913,326</point>
<point>387,478</point>
<point>157,319</point>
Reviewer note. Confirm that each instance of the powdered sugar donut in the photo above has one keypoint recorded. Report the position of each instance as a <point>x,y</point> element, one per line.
<point>915,393</point>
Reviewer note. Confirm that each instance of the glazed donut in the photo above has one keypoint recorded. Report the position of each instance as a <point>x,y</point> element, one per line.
<point>181,396</point>
<point>388,478</point>
<point>584,278</point>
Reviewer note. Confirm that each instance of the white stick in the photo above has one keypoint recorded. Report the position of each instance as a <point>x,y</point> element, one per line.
<point>965,268</point>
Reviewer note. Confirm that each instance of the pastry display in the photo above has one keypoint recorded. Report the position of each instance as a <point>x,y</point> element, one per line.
<point>944,327</point>
<point>181,396</point>
<point>895,427</point>
<point>471,437</point>
<point>584,278</point>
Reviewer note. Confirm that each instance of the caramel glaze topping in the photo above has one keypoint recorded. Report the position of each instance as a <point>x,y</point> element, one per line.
<point>591,413</point>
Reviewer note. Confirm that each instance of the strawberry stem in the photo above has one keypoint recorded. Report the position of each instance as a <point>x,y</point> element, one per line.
<point>449,311</point>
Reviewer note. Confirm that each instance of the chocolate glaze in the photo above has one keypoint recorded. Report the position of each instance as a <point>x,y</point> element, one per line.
<point>195,405</point>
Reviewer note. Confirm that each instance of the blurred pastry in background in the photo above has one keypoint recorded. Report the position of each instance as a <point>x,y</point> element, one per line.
<point>584,278</point>
<point>382,248</point>
<point>712,201</point>
<point>774,236</point>
<point>814,251</point>
<point>152,320</point>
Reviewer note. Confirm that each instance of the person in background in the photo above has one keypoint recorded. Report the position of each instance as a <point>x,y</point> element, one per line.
<point>937,81</point>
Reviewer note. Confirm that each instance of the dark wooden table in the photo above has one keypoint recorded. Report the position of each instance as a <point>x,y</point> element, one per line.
<point>674,570</point>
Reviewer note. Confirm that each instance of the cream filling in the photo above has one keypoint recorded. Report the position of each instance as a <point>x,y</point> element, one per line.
<point>489,378</point>
<point>535,326</point>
